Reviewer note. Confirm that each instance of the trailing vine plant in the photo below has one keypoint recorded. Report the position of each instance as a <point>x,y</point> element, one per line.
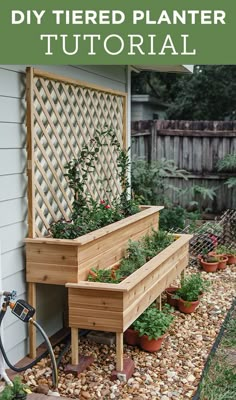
<point>88,215</point>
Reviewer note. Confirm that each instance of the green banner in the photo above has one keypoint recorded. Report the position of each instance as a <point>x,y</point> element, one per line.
<point>118,32</point>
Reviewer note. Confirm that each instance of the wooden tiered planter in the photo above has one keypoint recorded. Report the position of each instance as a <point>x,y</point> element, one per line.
<point>58,261</point>
<point>113,307</point>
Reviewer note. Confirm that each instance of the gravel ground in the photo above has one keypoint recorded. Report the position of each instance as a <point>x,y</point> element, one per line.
<point>172,373</point>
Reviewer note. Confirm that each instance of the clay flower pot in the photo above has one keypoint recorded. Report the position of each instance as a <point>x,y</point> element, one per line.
<point>222,262</point>
<point>209,267</point>
<point>131,337</point>
<point>231,259</point>
<point>187,307</point>
<point>151,345</point>
<point>170,292</point>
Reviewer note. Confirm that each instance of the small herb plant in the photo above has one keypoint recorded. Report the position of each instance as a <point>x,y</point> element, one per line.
<point>88,215</point>
<point>137,254</point>
<point>153,322</point>
<point>191,287</point>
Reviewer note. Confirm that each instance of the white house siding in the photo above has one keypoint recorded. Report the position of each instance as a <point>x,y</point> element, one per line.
<point>145,112</point>
<point>13,201</point>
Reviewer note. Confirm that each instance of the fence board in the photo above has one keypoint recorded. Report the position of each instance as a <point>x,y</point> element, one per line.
<point>195,146</point>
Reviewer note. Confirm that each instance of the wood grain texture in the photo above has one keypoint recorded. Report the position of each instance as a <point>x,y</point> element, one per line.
<point>113,307</point>
<point>55,261</point>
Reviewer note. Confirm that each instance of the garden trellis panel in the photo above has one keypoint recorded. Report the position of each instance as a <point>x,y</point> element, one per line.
<point>62,115</point>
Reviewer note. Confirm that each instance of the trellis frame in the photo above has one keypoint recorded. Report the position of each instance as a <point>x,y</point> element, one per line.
<point>31,74</point>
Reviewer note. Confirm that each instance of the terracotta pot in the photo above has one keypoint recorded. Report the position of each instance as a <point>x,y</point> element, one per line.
<point>231,259</point>
<point>222,262</point>
<point>151,345</point>
<point>212,253</point>
<point>170,291</point>
<point>209,267</point>
<point>187,307</point>
<point>131,337</point>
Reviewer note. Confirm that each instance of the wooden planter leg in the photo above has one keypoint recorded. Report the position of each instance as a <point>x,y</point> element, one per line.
<point>32,330</point>
<point>74,346</point>
<point>119,352</point>
<point>182,275</point>
<point>158,303</point>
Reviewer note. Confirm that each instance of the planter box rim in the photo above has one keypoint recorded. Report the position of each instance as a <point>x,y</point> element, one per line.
<point>131,281</point>
<point>94,235</point>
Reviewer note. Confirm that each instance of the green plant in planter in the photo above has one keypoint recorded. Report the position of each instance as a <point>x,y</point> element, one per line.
<point>137,254</point>
<point>231,251</point>
<point>153,322</point>
<point>88,215</point>
<point>16,392</point>
<point>156,242</point>
<point>192,287</point>
<point>221,249</point>
<point>210,259</point>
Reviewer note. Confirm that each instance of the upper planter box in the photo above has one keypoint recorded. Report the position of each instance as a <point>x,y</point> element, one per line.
<point>59,261</point>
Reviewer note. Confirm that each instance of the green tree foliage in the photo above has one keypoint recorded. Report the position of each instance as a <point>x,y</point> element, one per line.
<point>207,94</point>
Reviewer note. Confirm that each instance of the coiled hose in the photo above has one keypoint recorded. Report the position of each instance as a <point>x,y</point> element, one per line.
<point>34,362</point>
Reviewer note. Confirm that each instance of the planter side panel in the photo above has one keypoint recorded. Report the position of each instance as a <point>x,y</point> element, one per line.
<point>108,250</point>
<point>95,309</point>
<point>148,289</point>
<point>51,264</point>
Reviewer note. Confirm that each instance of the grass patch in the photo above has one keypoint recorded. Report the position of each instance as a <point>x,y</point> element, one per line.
<point>219,382</point>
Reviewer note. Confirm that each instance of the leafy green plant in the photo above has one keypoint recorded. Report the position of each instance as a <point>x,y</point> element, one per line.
<point>191,287</point>
<point>88,215</point>
<point>210,259</point>
<point>103,275</point>
<point>156,242</point>
<point>231,251</point>
<point>221,249</point>
<point>17,391</point>
<point>153,322</point>
<point>137,254</point>
<point>228,163</point>
<point>149,181</point>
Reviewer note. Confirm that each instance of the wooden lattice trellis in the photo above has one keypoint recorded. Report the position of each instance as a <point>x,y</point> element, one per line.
<point>62,115</point>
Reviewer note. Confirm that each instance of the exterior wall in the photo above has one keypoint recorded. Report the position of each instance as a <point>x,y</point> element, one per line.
<point>145,112</point>
<point>13,195</point>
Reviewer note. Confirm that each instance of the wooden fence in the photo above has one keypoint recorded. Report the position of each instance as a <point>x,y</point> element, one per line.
<point>195,146</point>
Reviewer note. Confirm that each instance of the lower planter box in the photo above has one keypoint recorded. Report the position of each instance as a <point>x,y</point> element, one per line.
<point>114,307</point>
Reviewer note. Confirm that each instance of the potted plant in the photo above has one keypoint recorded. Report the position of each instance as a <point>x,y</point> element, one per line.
<point>131,336</point>
<point>18,390</point>
<point>170,295</point>
<point>222,264</point>
<point>209,263</point>
<point>220,250</point>
<point>152,326</point>
<point>188,295</point>
<point>231,254</point>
